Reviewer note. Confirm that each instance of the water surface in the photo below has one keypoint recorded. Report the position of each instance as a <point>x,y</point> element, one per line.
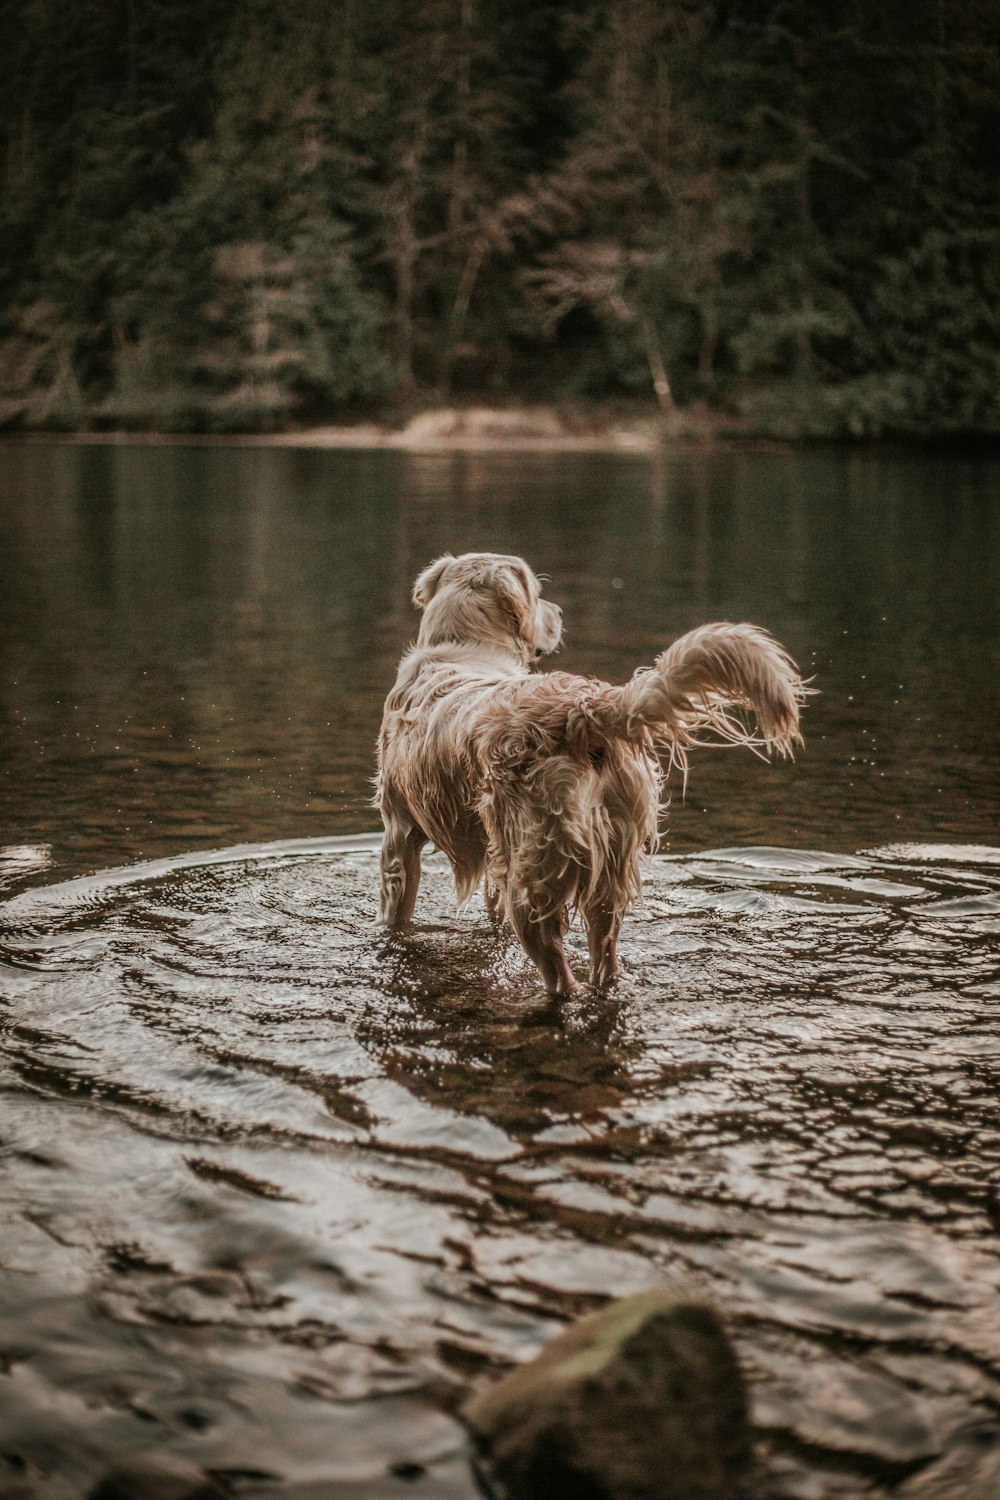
<point>195,643</point>
<point>280,1189</point>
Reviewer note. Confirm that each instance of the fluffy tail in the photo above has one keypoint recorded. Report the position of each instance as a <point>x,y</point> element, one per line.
<point>705,674</point>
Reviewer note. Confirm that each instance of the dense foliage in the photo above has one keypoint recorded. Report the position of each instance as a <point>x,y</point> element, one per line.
<point>229,215</point>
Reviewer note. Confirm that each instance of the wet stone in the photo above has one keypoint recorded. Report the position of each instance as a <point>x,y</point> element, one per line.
<point>641,1401</point>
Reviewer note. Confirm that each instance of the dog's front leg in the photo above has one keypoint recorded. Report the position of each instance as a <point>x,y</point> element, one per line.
<point>400,867</point>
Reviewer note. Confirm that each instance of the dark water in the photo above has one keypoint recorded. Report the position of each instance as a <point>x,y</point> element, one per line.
<point>281,1190</point>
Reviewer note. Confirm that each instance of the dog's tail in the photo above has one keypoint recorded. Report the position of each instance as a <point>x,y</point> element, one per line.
<point>697,682</point>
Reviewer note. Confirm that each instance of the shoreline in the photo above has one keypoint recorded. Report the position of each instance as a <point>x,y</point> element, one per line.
<point>527,429</point>
<point>350,438</point>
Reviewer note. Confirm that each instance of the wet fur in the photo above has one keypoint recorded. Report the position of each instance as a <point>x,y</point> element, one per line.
<point>549,785</point>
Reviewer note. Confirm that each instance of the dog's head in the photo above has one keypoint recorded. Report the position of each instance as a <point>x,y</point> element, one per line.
<point>484,598</point>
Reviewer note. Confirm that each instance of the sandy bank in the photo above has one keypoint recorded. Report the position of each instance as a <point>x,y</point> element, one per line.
<point>476,429</point>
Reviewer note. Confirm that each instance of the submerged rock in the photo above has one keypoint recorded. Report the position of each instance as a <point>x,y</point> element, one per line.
<point>641,1401</point>
<point>157,1476</point>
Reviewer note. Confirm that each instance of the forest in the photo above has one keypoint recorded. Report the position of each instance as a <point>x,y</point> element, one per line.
<point>240,215</point>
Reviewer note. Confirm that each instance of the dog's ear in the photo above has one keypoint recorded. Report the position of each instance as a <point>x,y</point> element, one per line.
<point>426,585</point>
<point>514,593</point>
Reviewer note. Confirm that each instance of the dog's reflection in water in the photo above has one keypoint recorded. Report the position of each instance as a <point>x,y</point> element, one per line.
<point>467,1027</point>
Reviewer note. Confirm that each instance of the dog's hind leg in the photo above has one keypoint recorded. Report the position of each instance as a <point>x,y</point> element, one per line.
<point>603,923</point>
<point>542,940</point>
<point>400,866</point>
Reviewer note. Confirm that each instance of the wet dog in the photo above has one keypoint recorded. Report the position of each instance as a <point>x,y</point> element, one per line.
<point>546,785</point>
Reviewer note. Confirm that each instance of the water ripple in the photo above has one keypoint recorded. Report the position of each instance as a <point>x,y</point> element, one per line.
<point>369,1168</point>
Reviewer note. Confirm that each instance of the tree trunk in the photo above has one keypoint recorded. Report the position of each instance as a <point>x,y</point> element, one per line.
<point>658,370</point>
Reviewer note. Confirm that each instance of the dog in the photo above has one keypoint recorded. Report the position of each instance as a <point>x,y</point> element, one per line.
<point>547,785</point>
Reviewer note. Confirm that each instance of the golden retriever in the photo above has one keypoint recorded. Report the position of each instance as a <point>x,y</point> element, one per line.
<point>547,784</point>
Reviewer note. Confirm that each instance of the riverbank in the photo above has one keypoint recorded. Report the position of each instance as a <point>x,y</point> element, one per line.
<point>531,428</point>
<point>564,427</point>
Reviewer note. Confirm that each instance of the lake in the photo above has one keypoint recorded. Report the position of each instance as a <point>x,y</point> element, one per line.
<point>281,1190</point>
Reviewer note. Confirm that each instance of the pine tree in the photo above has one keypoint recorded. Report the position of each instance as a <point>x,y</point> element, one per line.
<point>638,237</point>
<point>251,306</point>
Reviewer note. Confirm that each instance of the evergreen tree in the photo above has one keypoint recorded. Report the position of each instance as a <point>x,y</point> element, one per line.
<point>246,214</point>
<point>251,303</point>
<point>636,202</point>
<point>932,296</point>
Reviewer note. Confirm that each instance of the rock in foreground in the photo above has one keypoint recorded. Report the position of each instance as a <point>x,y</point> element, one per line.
<point>640,1401</point>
